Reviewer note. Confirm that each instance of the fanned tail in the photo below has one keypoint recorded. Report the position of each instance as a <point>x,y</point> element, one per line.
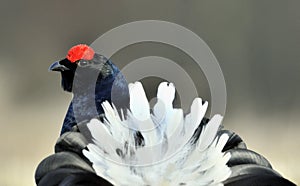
<point>171,154</point>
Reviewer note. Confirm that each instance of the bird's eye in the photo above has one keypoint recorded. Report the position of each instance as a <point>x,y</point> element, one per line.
<point>82,63</point>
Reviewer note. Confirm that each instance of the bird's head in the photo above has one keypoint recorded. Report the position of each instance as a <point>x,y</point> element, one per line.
<point>82,62</point>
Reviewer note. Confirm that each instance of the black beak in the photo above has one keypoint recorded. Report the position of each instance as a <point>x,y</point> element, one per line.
<point>56,66</point>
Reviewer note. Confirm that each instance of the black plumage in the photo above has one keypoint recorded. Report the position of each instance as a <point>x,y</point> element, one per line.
<point>91,82</point>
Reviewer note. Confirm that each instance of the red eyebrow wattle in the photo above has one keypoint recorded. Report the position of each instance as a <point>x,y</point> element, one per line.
<point>80,51</point>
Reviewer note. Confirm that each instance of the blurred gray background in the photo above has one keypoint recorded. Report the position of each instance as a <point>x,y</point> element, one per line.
<point>256,43</point>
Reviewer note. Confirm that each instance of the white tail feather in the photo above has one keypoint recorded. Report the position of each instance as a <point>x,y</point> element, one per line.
<point>169,156</point>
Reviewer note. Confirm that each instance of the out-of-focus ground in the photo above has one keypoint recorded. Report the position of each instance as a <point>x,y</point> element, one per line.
<point>257,44</point>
